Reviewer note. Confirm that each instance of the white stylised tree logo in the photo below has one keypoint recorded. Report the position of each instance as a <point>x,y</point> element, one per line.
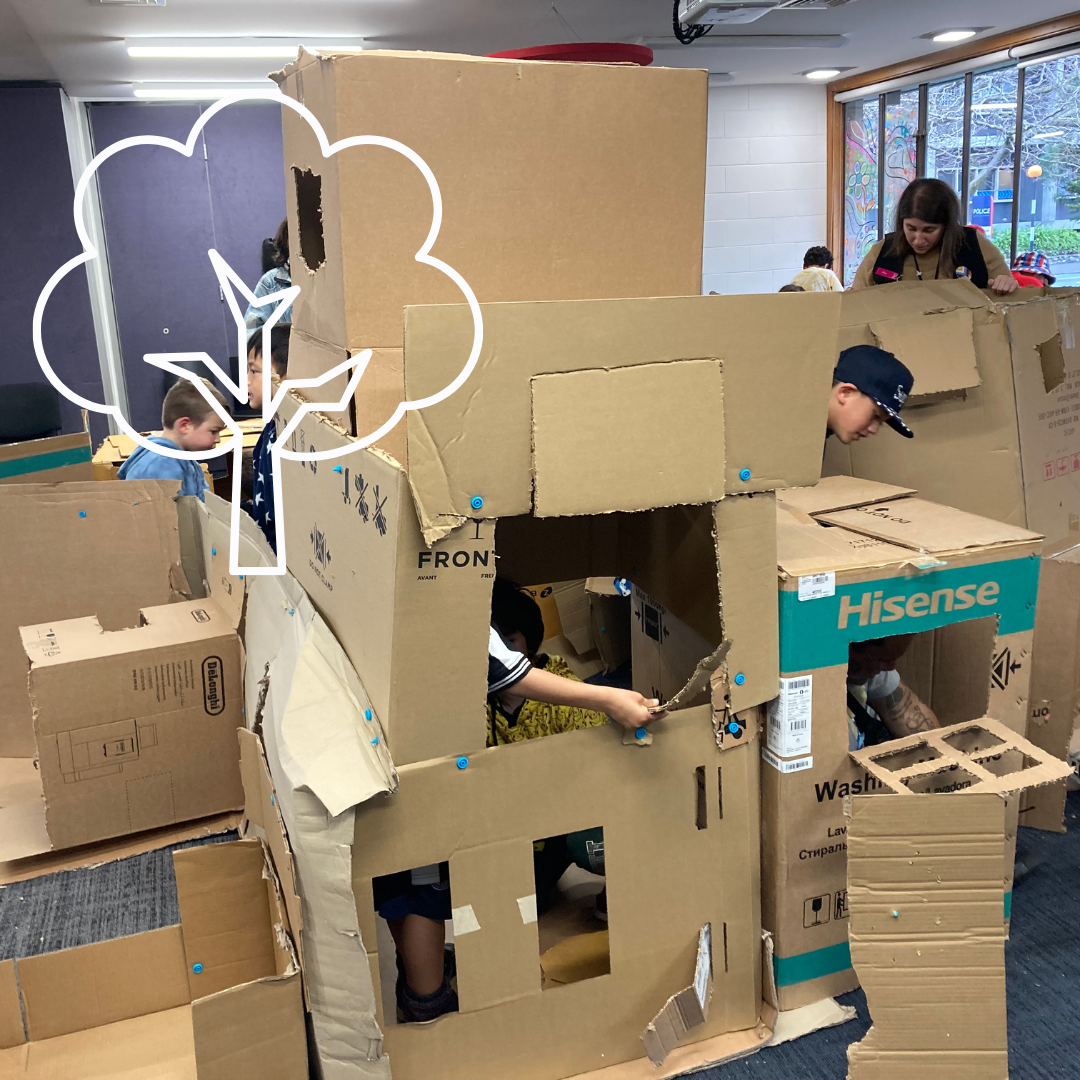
<point>276,303</point>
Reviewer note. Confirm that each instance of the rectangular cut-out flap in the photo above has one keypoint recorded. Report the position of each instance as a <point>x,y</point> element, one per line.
<point>628,438</point>
<point>805,547</point>
<point>925,526</point>
<point>840,493</point>
<point>937,348</point>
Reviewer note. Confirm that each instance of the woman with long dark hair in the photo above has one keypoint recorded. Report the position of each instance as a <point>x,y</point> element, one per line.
<point>932,243</point>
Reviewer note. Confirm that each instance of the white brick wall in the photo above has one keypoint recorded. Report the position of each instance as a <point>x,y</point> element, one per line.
<point>764,185</point>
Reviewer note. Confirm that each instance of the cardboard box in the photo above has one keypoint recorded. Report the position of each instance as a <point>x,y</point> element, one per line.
<point>535,203</point>
<point>996,401</point>
<point>694,861</point>
<point>135,728</point>
<point>1055,676</point>
<point>860,561</point>
<point>217,997</point>
<point>74,550</point>
<point>665,649</point>
<point>47,461</point>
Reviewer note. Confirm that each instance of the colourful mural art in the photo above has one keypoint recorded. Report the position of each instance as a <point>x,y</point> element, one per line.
<point>861,182</point>
<point>901,124</point>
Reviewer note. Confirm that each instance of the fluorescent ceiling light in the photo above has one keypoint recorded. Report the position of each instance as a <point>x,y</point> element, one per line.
<point>194,92</point>
<point>822,73</point>
<point>218,52</point>
<point>948,36</point>
<point>1047,135</point>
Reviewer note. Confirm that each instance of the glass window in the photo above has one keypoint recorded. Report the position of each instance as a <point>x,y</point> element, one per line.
<point>860,182</point>
<point>993,136</point>
<point>901,126</point>
<point>945,132</point>
<point>1049,191</point>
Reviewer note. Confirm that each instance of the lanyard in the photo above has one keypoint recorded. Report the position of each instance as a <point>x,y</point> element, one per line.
<point>919,272</point>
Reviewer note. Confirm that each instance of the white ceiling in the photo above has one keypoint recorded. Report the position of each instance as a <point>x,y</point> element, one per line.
<point>81,42</point>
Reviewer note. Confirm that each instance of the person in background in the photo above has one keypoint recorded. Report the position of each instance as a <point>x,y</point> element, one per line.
<point>880,706</point>
<point>791,288</point>
<point>188,423</point>
<point>274,280</point>
<point>817,273</point>
<point>261,507</point>
<point>930,243</point>
<point>1032,270</point>
<point>869,389</point>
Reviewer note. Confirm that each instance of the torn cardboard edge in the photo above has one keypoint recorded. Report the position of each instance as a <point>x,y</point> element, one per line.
<point>1037,768</point>
<point>684,1011</point>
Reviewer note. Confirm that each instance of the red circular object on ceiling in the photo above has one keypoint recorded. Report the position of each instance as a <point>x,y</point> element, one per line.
<point>583,52</point>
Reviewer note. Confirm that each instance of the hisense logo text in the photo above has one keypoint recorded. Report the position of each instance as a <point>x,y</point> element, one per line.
<point>876,608</point>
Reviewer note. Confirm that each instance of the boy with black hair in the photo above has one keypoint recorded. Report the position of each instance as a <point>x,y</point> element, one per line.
<point>188,423</point>
<point>869,389</point>
<point>261,507</point>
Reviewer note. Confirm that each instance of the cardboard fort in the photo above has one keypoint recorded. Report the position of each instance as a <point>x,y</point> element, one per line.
<point>557,181</point>
<point>47,461</point>
<point>670,489</point>
<point>135,728</point>
<point>995,406</point>
<point>73,550</point>
<point>217,997</point>
<point>858,561</point>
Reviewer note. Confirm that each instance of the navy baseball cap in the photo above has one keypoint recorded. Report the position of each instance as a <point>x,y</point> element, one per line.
<point>881,377</point>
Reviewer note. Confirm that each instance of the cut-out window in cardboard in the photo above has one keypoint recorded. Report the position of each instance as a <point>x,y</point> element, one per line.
<point>309,212</point>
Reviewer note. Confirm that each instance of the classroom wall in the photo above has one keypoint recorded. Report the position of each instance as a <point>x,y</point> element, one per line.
<point>37,235</point>
<point>765,185</point>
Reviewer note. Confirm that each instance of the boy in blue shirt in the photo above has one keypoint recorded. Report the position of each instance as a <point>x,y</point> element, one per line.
<point>188,423</point>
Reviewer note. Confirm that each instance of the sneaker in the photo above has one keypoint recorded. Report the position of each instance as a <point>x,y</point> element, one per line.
<point>426,1008</point>
<point>450,963</point>
<point>600,910</point>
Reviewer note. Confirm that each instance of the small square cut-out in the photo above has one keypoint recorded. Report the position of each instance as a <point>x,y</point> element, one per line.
<point>896,760</point>
<point>973,740</point>
<point>943,782</point>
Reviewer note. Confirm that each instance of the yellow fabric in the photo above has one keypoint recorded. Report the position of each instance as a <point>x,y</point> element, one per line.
<point>537,718</point>
<point>995,265</point>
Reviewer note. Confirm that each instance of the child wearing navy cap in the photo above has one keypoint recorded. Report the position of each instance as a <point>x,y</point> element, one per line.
<point>869,389</point>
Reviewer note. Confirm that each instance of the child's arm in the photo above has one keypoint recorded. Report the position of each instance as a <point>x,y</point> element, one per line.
<point>625,707</point>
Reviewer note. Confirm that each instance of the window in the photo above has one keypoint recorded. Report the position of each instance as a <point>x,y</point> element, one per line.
<point>860,182</point>
<point>1048,215</point>
<point>964,130</point>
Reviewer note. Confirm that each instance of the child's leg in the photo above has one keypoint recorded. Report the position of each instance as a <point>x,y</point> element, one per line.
<point>421,944</point>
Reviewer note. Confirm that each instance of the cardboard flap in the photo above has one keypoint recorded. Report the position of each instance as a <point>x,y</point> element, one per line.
<point>976,756</point>
<point>11,1023</point>
<point>629,438</point>
<point>925,894</point>
<point>937,348</point>
<point>86,987</point>
<point>769,363</point>
<point>260,807</point>
<point>928,527</point>
<point>840,493</point>
<point>803,547</point>
<point>685,1010</point>
<point>224,915</point>
<point>251,1032</point>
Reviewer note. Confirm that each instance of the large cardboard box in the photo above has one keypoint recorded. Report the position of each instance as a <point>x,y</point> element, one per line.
<point>859,561</point>
<point>216,997</point>
<point>47,461</point>
<point>675,861</point>
<point>135,728</point>
<point>78,549</point>
<point>410,599</point>
<point>995,406</point>
<point>558,181</point>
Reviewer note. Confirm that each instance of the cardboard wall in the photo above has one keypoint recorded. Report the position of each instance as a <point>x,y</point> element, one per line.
<point>524,155</point>
<point>483,819</point>
<point>770,362</point>
<point>104,549</point>
<point>63,458</point>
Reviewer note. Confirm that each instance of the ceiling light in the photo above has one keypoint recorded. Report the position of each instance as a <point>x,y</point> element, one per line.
<point>950,36</point>
<point>822,73</point>
<point>194,92</point>
<point>220,52</point>
<point>1046,135</point>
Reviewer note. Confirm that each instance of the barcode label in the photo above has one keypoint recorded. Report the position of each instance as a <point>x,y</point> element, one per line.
<point>817,586</point>
<point>789,719</point>
<point>798,765</point>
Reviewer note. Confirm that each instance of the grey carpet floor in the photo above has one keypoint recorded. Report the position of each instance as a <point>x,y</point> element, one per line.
<point>1042,956</point>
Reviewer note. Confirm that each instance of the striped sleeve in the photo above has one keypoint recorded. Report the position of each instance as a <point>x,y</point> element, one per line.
<point>506,666</point>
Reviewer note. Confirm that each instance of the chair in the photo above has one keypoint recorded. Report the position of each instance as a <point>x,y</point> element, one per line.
<point>29,411</point>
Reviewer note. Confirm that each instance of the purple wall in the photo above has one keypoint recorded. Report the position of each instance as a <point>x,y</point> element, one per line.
<point>37,235</point>
<point>163,212</point>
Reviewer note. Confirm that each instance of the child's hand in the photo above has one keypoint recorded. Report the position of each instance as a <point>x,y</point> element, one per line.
<point>631,710</point>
